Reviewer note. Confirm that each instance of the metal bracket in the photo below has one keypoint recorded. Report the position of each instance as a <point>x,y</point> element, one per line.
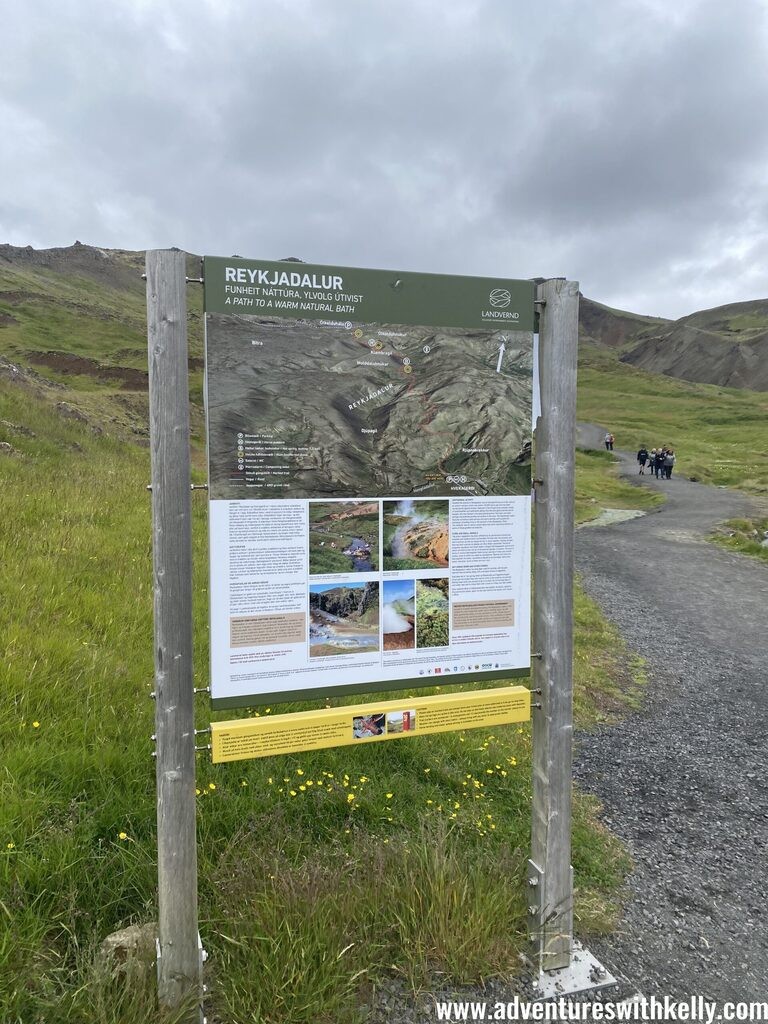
<point>585,974</point>
<point>203,954</point>
<point>206,746</point>
<point>201,689</point>
<point>192,487</point>
<point>535,894</point>
<point>195,280</point>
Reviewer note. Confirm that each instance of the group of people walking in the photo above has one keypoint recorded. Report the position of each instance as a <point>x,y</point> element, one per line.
<point>660,461</point>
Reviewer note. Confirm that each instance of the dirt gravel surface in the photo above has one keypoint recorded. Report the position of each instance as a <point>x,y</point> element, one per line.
<point>683,782</point>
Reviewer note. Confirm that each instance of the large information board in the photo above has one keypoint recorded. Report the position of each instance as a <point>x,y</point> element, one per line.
<point>369,478</point>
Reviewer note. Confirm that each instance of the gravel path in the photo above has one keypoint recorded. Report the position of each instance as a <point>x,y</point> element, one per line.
<point>683,782</point>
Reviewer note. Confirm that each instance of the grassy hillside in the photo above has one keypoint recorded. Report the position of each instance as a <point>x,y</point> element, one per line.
<point>318,873</point>
<point>718,433</point>
<point>725,346</point>
<point>78,317</point>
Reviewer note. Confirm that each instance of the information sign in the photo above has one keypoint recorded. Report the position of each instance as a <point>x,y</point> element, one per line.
<point>369,478</point>
<point>368,723</point>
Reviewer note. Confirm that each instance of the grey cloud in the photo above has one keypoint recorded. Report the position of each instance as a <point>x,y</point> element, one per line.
<point>618,144</point>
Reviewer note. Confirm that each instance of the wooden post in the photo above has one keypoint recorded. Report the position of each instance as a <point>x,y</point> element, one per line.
<point>550,875</point>
<point>179,964</point>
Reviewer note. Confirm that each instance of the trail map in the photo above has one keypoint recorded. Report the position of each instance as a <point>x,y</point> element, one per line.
<point>299,409</point>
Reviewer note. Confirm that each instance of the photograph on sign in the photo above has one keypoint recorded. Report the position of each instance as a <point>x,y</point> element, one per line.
<point>369,474</point>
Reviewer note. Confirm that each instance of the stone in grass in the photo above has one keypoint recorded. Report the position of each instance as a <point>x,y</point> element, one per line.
<point>17,428</point>
<point>130,952</point>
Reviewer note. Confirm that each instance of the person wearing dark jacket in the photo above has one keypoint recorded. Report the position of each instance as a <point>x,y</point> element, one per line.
<point>642,458</point>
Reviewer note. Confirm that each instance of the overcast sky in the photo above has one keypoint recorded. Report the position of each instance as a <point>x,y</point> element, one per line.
<point>623,143</point>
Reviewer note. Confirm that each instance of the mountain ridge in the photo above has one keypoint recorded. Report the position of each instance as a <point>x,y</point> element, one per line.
<point>87,304</point>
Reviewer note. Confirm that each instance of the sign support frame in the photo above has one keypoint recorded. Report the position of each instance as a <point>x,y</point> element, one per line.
<point>550,874</point>
<point>179,960</point>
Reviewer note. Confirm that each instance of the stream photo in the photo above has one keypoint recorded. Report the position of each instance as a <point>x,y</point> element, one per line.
<point>343,537</point>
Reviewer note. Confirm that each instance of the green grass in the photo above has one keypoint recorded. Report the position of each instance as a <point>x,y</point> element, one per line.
<point>744,536</point>
<point>307,901</point>
<point>607,678</point>
<point>599,486</point>
<point>432,613</point>
<point>718,433</point>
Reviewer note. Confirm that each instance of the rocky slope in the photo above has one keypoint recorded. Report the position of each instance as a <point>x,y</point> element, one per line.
<point>727,345</point>
<point>347,602</point>
<point>79,312</point>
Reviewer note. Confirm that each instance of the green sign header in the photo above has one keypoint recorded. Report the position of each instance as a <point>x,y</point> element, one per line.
<point>342,295</point>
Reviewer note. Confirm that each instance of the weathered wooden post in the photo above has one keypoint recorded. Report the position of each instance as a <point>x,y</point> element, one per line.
<point>179,961</point>
<point>550,867</point>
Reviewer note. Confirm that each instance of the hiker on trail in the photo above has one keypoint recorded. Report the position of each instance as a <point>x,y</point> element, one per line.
<point>609,439</point>
<point>658,462</point>
<point>669,462</point>
<point>642,458</point>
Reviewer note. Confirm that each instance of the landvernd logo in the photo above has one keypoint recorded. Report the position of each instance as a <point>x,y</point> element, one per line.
<point>498,301</point>
<point>499,298</point>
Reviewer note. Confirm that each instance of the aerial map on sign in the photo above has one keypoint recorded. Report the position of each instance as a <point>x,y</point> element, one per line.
<point>303,408</point>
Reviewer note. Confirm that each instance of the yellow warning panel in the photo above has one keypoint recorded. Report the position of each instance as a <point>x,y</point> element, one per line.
<point>368,723</point>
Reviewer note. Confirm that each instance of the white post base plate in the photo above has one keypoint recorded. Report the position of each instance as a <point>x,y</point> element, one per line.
<point>585,974</point>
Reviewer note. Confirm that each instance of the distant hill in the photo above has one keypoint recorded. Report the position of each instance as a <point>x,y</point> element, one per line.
<point>73,334</point>
<point>73,324</point>
<point>727,345</point>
